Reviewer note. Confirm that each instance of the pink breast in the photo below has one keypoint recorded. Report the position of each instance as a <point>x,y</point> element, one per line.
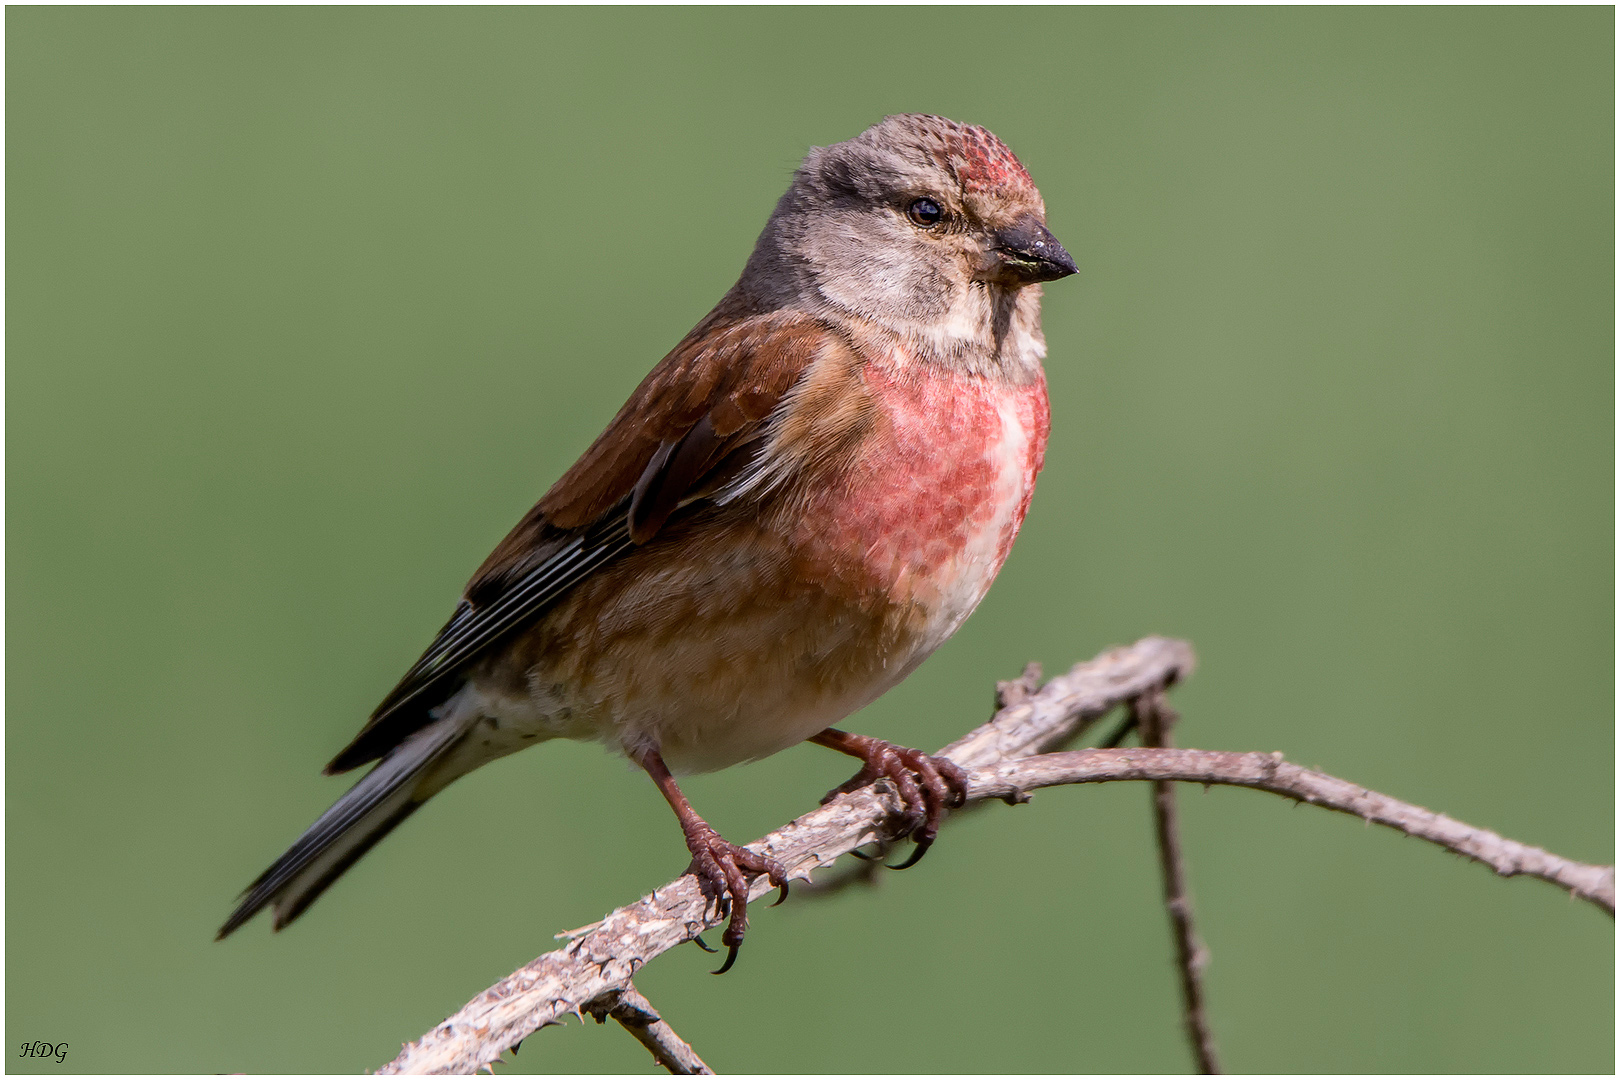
<point>940,489</point>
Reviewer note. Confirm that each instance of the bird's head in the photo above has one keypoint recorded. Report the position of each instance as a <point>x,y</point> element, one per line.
<point>917,222</point>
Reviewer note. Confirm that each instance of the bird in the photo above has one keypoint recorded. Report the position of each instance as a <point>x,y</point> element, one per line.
<point>799,503</point>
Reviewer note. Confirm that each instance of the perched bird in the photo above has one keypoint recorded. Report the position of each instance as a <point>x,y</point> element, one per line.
<point>798,505</point>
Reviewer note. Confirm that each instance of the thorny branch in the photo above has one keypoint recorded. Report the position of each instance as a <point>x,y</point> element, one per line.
<point>1006,757</point>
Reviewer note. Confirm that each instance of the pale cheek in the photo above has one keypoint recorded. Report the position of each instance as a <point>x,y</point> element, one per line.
<point>880,276</point>
<point>964,320</point>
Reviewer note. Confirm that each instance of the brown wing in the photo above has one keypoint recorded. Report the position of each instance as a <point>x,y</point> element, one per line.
<point>688,426</point>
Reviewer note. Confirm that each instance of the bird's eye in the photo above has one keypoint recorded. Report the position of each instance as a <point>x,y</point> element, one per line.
<point>924,212</point>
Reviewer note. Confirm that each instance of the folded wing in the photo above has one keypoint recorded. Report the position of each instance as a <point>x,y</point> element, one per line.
<point>693,424</point>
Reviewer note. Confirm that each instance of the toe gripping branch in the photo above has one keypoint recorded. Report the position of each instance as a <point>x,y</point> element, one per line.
<point>928,785</point>
<point>721,867</point>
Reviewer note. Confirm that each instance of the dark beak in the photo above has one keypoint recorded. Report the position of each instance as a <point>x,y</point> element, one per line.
<point>1026,253</point>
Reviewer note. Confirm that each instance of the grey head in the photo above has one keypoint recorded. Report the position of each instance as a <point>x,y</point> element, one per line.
<point>920,225</point>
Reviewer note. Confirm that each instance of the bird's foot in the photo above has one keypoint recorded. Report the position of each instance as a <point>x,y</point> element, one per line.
<point>928,785</point>
<point>723,869</point>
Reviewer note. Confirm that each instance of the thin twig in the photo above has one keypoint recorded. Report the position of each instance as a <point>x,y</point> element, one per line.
<point>637,1016</point>
<point>1269,772</point>
<point>1155,718</point>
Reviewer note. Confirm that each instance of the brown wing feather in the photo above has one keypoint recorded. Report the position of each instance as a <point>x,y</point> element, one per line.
<point>681,432</point>
<point>732,373</point>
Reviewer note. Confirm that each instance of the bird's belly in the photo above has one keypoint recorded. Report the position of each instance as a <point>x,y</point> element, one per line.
<point>711,661</point>
<point>738,635</point>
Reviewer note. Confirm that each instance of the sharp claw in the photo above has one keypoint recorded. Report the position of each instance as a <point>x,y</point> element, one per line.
<point>722,870</point>
<point>927,787</point>
<point>731,958</point>
<point>916,855</point>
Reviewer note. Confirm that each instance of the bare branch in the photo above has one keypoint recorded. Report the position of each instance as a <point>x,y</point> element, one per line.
<point>637,1016</point>
<point>1269,772</point>
<point>605,956</point>
<point>1156,718</point>
<point>1066,708</point>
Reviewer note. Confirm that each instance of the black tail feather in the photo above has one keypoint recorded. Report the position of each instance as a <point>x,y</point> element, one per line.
<point>366,813</point>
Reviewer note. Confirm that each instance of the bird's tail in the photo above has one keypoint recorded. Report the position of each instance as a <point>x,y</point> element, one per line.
<point>383,798</point>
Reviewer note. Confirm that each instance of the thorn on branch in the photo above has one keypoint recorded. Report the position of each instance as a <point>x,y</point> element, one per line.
<point>1010,692</point>
<point>867,872</point>
<point>636,1015</point>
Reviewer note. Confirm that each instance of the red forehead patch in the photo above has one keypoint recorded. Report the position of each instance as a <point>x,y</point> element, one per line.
<point>980,160</point>
<point>988,162</point>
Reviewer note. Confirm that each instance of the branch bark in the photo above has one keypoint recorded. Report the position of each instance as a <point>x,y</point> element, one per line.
<point>1269,772</point>
<point>601,959</point>
<point>637,1016</point>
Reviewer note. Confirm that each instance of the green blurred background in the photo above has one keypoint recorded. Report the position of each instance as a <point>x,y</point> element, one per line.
<point>306,307</point>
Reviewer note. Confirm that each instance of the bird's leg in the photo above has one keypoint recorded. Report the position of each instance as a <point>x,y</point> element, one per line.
<point>721,867</point>
<point>928,785</point>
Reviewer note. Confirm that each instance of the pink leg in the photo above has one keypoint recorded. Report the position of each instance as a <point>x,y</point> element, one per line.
<point>720,866</point>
